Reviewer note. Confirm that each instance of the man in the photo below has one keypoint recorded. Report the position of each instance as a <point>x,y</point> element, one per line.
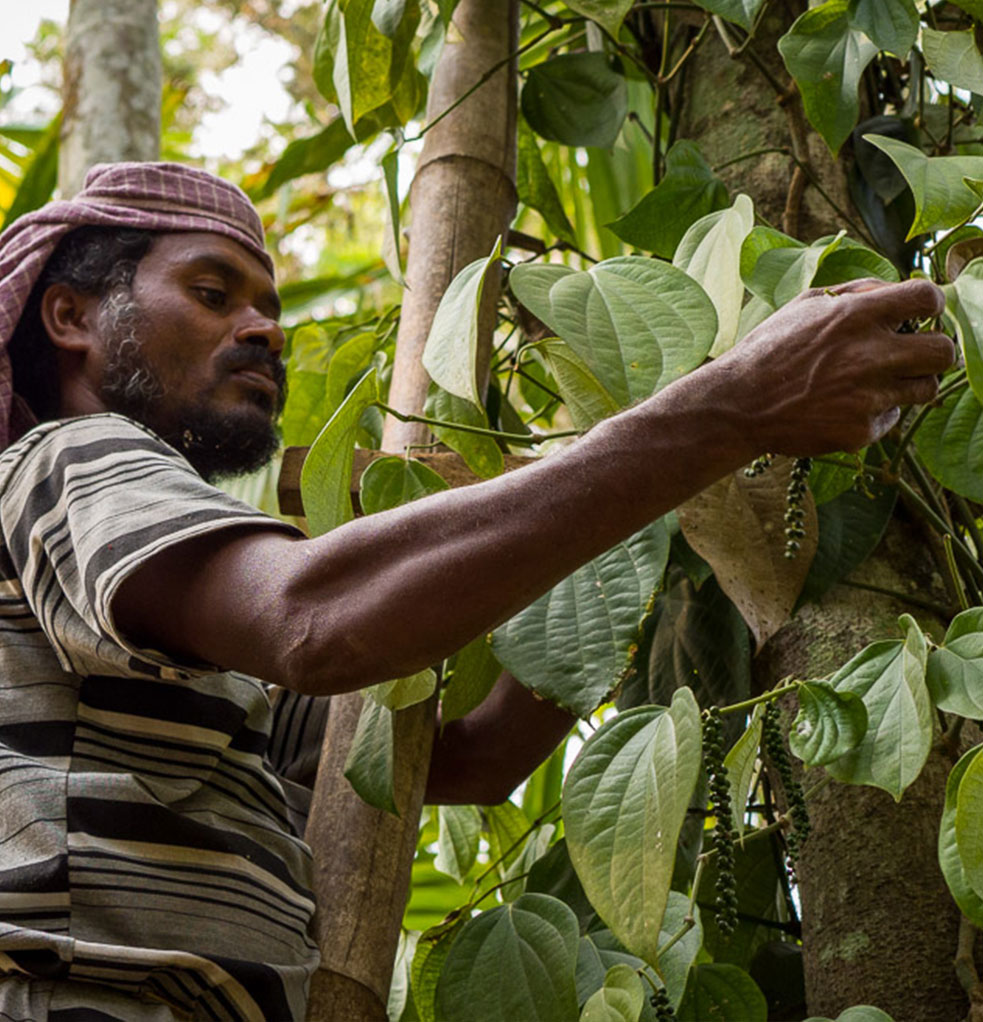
<point>147,866</point>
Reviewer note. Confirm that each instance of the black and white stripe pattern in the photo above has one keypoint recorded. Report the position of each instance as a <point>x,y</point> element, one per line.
<point>145,842</point>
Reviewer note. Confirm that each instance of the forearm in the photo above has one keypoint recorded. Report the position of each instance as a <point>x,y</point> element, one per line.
<point>393,593</point>
<point>484,756</point>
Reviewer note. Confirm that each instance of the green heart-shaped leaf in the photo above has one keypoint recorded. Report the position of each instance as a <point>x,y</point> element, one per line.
<point>954,57</point>
<point>954,673</point>
<point>637,323</point>
<point>891,26</point>
<point>326,478</point>
<point>533,942</point>
<point>620,999</point>
<point>369,767</point>
<point>689,190</point>
<point>586,400</point>
<point>575,99</point>
<point>710,253</point>
<point>390,482</point>
<point>624,802</point>
<point>609,14</point>
<point>722,992</point>
<point>457,843</point>
<point>969,902</point>
<point>942,197</point>
<point>573,644</point>
<point>889,677</point>
<point>950,441</point>
<point>828,725</point>
<point>826,56</point>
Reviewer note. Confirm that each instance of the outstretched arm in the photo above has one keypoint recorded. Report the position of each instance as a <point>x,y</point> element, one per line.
<point>389,594</point>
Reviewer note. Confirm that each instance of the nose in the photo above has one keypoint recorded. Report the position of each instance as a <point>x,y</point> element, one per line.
<point>261,330</point>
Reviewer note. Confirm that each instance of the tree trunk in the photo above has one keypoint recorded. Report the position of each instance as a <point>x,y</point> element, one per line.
<point>463,197</point>
<point>112,89</point>
<point>878,924</point>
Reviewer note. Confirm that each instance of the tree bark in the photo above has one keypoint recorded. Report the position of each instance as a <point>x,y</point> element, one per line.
<point>462,198</point>
<point>112,87</point>
<point>879,926</point>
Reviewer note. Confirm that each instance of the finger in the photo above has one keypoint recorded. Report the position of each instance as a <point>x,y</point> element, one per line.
<point>919,391</point>
<point>910,299</point>
<point>921,354</point>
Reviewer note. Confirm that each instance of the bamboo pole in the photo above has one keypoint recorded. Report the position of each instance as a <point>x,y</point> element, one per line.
<point>462,198</point>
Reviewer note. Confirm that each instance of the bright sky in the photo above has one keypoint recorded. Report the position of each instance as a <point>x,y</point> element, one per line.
<point>251,87</point>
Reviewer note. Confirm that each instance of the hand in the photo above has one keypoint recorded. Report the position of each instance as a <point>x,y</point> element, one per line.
<point>830,371</point>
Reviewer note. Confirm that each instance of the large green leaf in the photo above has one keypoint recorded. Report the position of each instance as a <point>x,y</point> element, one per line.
<point>710,253</point>
<point>689,190</point>
<point>891,26</point>
<point>609,14</point>
<point>403,692</point>
<point>586,399</point>
<point>508,828</point>
<point>954,673</point>
<point>964,302</point>
<point>950,441</point>
<point>393,481</point>
<point>351,359</point>
<point>473,673</point>
<point>536,189</point>
<point>969,902</point>
<point>624,802</point>
<point>637,323</point>
<point>698,638</point>
<point>828,725</point>
<point>954,57</point>
<point>457,848</point>
<point>942,197</point>
<point>480,453</point>
<point>451,352</point>
<point>325,480</point>
<point>512,962</point>
<point>574,643</point>
<point>741,12</point>
<point>889,677</point>
<point>826,55</point>
<point>783,271</point>
<point>599,950</point>
<point>576,99</point>
<point>432,950</point>
<point>369,767</point>
<point>724,993</point>
<point>969,824</point>
<point>620,999</point>
<point>740,762</point>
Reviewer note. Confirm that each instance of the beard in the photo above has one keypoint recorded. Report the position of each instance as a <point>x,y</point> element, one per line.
<point>219,443</point>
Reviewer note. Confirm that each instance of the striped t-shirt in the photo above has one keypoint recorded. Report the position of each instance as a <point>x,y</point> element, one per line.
<point>144,839</point>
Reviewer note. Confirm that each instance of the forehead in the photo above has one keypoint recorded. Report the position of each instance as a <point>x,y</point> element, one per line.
<point>174,252</point>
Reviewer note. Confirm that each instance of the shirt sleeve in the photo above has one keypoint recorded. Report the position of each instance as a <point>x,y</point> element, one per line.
<point>83,504</point>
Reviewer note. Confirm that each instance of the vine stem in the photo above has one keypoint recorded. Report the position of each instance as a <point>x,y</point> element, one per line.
<point>748,704</point>
<point>915,601</point>
<point>690,919</point>
<point>489,74</point>
<point>492,866</point>
<point>527,440</point>
<point>957,582</point>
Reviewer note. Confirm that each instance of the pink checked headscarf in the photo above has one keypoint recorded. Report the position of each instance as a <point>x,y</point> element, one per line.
<point>146,196</point>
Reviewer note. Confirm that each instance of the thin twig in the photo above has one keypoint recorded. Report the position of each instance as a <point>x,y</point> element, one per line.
<point>915,601</point>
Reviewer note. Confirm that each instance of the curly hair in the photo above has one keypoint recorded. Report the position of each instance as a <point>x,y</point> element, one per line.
<point>97,261</point>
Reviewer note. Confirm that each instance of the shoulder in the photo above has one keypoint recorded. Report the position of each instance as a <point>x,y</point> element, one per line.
<point>105,438</point>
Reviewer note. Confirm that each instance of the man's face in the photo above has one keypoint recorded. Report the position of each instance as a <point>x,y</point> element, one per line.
<point>192,351</point>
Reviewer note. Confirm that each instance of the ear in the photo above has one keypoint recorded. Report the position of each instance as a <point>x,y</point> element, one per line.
<point>70,318</point>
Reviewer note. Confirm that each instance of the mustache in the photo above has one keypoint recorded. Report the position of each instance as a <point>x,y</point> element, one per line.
<point>251,356</point>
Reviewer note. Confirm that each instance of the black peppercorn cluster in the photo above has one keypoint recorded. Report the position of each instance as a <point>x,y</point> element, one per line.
<point>798,486</point>
<point>771,734</point>
<point>724,834</point>
<point>759,465</point>
<point>663,1006</point>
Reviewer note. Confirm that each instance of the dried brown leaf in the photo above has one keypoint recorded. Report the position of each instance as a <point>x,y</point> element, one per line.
<point>737,526</point>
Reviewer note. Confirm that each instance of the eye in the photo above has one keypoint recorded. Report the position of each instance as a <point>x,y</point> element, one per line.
<point>213,297</point>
